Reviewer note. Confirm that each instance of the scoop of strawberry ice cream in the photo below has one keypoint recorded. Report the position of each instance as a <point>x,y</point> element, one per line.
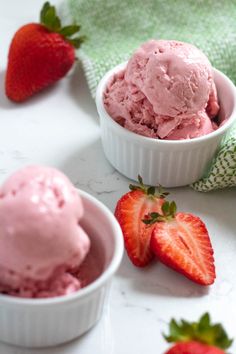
<point>41,241</point>
<point>167,85</point>
<point>175,77</point>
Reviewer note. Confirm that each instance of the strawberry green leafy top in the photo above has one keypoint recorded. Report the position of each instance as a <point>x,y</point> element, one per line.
<point>49,18</point>
<point>152,191</point>
<point>202,331</point>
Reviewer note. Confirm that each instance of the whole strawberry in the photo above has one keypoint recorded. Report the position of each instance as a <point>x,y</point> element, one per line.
<point>200,337</point>
<point>130,210</point>
<point>40,54</point>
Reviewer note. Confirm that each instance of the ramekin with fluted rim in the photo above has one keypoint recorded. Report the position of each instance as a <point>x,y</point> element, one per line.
<point>171,163</point>
<point>52,321</point>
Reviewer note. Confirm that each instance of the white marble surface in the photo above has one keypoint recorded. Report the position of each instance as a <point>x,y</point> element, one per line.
<point>60,128</point>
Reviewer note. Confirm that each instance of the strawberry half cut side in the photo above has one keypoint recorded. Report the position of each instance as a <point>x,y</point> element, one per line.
<point>181,241</point>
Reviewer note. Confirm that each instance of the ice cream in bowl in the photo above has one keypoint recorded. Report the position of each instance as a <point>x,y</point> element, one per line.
<point>164,113</point>
<point>59,248</point>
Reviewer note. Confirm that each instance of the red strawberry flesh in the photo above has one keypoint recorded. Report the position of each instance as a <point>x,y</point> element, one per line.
<point>131,209</point>
<point>184,245</point>
<point>193,347</point>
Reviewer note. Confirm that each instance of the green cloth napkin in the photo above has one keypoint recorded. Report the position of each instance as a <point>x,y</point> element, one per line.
<point>114,28</point>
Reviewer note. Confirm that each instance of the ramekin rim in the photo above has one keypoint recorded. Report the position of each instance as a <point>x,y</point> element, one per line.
<point>143,139</point>
<point>91,288</point>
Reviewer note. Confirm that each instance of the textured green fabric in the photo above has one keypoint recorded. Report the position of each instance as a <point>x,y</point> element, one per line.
<point>222,172</point>
<point>116,27</point>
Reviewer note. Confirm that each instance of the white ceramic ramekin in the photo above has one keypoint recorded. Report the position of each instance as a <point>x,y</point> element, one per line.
<point>170,163</point>
<point>48,322</point>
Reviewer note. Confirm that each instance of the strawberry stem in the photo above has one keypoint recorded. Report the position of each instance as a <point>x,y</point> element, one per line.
<point>49,18</point>
<point>202,331</point>
<point>168,214</point>
<point>157,192</point>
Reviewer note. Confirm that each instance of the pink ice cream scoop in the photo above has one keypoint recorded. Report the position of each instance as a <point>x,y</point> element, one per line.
<point>41,241</point>
<point>166,91</point>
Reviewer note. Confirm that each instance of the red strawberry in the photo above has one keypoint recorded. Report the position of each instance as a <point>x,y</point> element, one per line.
<point>130,210</point>
<point>39,55</point>
<point>194,348</point>
<point>181,242</point>
<point>200,337</point>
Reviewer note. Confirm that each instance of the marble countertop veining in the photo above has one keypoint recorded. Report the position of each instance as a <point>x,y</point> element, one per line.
<point>60,127</point>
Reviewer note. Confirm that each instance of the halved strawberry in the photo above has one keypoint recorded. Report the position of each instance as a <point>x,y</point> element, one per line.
<point>181,241</point>
<point>130,210</point>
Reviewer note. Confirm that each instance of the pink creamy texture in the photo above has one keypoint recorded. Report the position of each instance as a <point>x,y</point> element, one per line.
<point>41,242</point>
<point>166,91</point>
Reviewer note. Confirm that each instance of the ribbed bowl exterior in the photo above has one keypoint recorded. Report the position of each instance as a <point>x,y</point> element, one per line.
<point>53,321</point>
<point>43,326</point>
<point>176,167</point>
<point>167,162</point>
